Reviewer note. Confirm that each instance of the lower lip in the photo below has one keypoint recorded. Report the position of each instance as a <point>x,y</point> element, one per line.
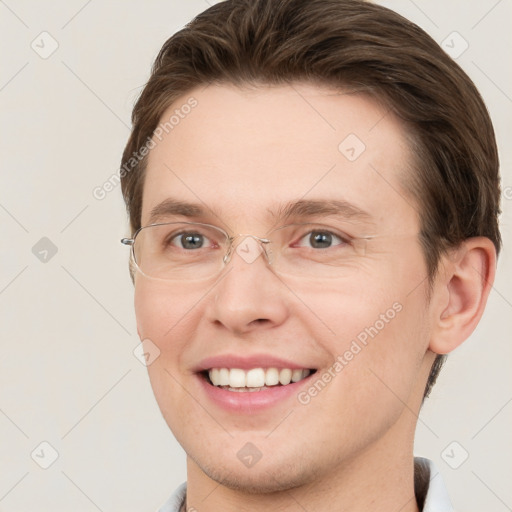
<point>250,401</point>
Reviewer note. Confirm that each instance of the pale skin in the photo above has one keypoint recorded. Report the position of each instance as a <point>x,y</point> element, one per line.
<point>240,153</point>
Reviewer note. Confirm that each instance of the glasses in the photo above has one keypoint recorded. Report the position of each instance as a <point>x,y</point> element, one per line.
<point>179,251</point>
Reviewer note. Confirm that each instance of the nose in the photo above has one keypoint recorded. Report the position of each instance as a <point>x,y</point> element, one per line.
<point>249,247</point>
<point>248,295</point>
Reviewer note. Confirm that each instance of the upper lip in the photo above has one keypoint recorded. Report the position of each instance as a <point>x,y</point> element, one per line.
<point>247,362</point>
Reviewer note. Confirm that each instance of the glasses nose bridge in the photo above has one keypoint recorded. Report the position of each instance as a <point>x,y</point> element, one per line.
<point>262,243</point>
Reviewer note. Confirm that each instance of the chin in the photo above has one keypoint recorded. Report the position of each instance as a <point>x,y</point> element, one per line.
<point>262,478</point>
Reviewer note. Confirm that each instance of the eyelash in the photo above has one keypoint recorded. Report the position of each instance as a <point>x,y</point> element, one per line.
<point>343,239</point>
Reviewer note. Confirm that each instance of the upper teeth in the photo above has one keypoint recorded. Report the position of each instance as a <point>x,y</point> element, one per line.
<point>256,377</point>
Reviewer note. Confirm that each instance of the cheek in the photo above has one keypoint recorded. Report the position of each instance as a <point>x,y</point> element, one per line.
<point>377,326</point>
<point>167,318</point>
<point>378,363</point>
<point>346,309</point>
<point>162,313</point>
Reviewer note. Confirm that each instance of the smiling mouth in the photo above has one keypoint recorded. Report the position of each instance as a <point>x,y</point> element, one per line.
<point>255,379</point>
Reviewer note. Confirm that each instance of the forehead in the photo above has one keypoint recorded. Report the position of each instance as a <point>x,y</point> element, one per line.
<point>244,153</point>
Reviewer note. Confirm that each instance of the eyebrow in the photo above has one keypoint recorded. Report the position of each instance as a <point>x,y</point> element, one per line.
<point>313,207</point>
<point>302,208</point>
<point>170,207</point>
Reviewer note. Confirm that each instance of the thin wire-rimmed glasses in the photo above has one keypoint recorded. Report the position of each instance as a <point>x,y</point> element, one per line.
<point>179,251</point>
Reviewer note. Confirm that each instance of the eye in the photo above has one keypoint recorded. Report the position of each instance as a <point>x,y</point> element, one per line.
<point>189,240</point>
<point>320,239</point>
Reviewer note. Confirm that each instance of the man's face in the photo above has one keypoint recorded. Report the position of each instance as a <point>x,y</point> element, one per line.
<point>241,155</point>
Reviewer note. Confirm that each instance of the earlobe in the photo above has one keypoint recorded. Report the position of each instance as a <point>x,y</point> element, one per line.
<point>462,292</point>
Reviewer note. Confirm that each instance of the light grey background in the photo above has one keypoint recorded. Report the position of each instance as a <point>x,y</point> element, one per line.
<point>68,375</point>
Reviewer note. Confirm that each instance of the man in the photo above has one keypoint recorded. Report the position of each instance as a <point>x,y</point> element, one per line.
<point>313,195</point>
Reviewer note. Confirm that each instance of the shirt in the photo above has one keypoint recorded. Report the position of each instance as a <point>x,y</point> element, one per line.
<point>428,486</point>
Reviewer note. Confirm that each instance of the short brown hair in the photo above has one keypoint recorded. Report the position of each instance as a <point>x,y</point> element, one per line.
<point>350,44</point>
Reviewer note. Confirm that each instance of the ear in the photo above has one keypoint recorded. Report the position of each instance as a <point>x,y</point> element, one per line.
<point>461,289</point>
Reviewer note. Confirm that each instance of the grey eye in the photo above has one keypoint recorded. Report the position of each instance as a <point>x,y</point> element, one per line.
<point>189,240</point>
<point>320,240</point>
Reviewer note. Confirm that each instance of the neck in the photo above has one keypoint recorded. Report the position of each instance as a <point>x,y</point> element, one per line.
<point>379,479</point>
